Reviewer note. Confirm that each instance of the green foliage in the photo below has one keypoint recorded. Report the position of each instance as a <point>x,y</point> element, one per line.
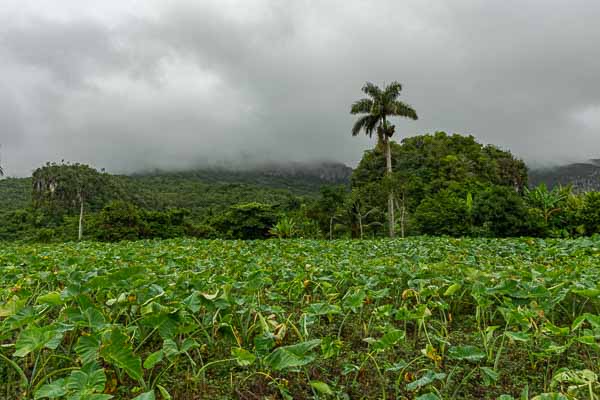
<point>590,213</point>
<point>444,213</point>
<point>246,221</point>
<point>499,211</point>
<point>427,164</point>
<point>394,319</point>
<point>285,228</point>
<point>61,188</point>
<point>120,220</point>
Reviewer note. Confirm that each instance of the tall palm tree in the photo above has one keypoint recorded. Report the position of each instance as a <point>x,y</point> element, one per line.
<point>377,107</point>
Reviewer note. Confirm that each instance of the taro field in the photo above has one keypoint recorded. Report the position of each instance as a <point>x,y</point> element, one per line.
<point>421,318</point>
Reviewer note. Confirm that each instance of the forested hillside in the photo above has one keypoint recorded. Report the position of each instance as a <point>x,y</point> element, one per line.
<point>442,185</point>
<point>204,189</point>
<point>583,176</point>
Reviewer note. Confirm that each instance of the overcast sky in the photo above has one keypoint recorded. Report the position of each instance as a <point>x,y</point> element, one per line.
<point>128,85</point>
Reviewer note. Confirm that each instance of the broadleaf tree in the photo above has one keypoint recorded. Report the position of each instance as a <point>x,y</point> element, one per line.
<point>64,187</point>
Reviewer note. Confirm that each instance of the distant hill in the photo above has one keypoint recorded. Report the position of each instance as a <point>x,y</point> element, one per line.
<point>206,189</point>
<point>584,176</point>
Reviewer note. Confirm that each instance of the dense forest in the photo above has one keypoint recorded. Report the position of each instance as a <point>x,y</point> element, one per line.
<point>442,184</point>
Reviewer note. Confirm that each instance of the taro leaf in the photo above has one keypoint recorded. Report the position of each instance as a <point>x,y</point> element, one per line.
<point>264,343</point>
<point>243,357</point>
<point>590,341</point>
<point>489,375</point>
<point>91,318</point>
<point>550,396</point>
<point>51,390</point>
<point>196,300</point>
<point>323,309</point>
<point>505,397</point>
<point>153,359</point>
<point>582,377</point>
<point>321,387</point>
<point>330,346</point>
<point>428,396</point>
<point>163,392</point>
<point>145,396</point>
<point>11,307</point>
<point>34,339</point>
<point>469,353</point>
<point>549,327</point>
<point>170,349</point>
<point>594,321</point>
<point>354,300</point>
<point>189,344</point>
<point>116,350</point>
<point>517,336</point>
<point>389,339</point>
<point>87,348</point>
<point>425,380</point>
<point>455,287</point>
<point>86,381</point>
<point>52,298</point>
<point>295,355</point>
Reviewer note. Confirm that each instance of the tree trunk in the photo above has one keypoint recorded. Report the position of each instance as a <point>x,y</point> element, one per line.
<point>360,226</point>
<point>80,218</point>
<point>331,228</point>
<point>388,162</point>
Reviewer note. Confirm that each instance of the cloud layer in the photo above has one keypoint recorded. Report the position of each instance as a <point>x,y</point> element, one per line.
<point>129,85</point>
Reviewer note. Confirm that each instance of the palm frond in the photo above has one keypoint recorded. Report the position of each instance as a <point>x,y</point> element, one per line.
<point>372,90</point>
<point>362,106</point>
<point>401,109</point>
<point>366,123</point>
<point>392,91</point>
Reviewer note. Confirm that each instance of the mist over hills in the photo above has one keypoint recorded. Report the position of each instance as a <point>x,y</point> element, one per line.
<point>584,176</point>
<point>271,182</point>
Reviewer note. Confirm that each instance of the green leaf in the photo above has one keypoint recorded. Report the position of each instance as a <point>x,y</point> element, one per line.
<point>116,350</point>
<point>550,396</point>
<point>469,353</point>
<point>82,381</point>
<point>243,357</point>
<point>428,396</point>
<point>292,356</point>
<point>52,298</point>
<point>426,379</point>
<point>489,375</point>
<point>354,300</point>
<point>33,339</point>
<point>321,387</point>
<point>388,340</point>
<point>87,348</point>
<point>51,390</point>
<point>170,349</point>
<point>153,359</point>
<point>145,396</point>
<point>517,336</point>
<point>505,397</point>
<point>323,309</point>
<point>455,287</point>
<point>163,392</point>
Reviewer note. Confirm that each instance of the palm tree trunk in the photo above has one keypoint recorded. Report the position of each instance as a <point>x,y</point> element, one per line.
<point>80,235</point>
<point>388,162</point>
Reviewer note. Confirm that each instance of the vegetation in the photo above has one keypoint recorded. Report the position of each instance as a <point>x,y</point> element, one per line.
<point>426,318</point>
<point>442,185</point>
<point>377,108</point>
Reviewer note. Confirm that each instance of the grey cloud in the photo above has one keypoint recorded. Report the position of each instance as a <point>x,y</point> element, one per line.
<point>186,83</point>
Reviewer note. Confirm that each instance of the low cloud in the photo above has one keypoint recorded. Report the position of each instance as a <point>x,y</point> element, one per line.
<point>181,83</point>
